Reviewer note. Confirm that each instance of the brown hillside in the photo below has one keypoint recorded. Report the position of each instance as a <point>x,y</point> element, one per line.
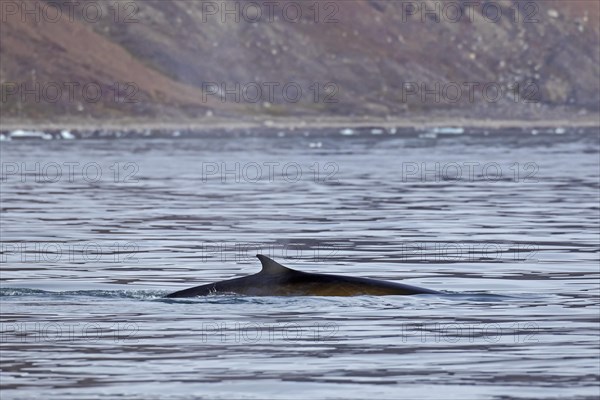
<point>371,53</point>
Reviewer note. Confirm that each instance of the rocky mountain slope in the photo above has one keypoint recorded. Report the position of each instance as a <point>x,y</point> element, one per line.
<point>239,60</point>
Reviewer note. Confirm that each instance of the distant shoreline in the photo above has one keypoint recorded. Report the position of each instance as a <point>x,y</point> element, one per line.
<point>587,121</point>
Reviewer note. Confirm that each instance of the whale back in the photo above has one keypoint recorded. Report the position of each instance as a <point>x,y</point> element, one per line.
<point>275,279</point>
<point>272,267</point>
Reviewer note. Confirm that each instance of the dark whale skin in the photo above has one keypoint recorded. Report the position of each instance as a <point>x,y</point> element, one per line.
<point>277,280</point>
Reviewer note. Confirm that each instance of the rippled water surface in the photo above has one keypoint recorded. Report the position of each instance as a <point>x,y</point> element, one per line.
<point>95,231</point>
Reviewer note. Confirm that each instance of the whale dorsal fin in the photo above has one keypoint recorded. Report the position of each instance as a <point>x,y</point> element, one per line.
<point>271,266</point>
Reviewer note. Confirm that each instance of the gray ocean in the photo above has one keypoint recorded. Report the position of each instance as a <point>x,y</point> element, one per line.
<point>96,228</point>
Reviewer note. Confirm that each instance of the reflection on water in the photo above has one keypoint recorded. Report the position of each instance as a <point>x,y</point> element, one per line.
<point>95,232</point>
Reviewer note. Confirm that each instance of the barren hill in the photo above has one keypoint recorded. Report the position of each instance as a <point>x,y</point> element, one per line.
<point>196,60</point>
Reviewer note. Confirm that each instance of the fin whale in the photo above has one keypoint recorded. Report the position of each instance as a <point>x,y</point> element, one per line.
<point>276,280</point>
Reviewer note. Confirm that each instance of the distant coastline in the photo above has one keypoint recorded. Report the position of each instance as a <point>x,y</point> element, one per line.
<point>208,124</point>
